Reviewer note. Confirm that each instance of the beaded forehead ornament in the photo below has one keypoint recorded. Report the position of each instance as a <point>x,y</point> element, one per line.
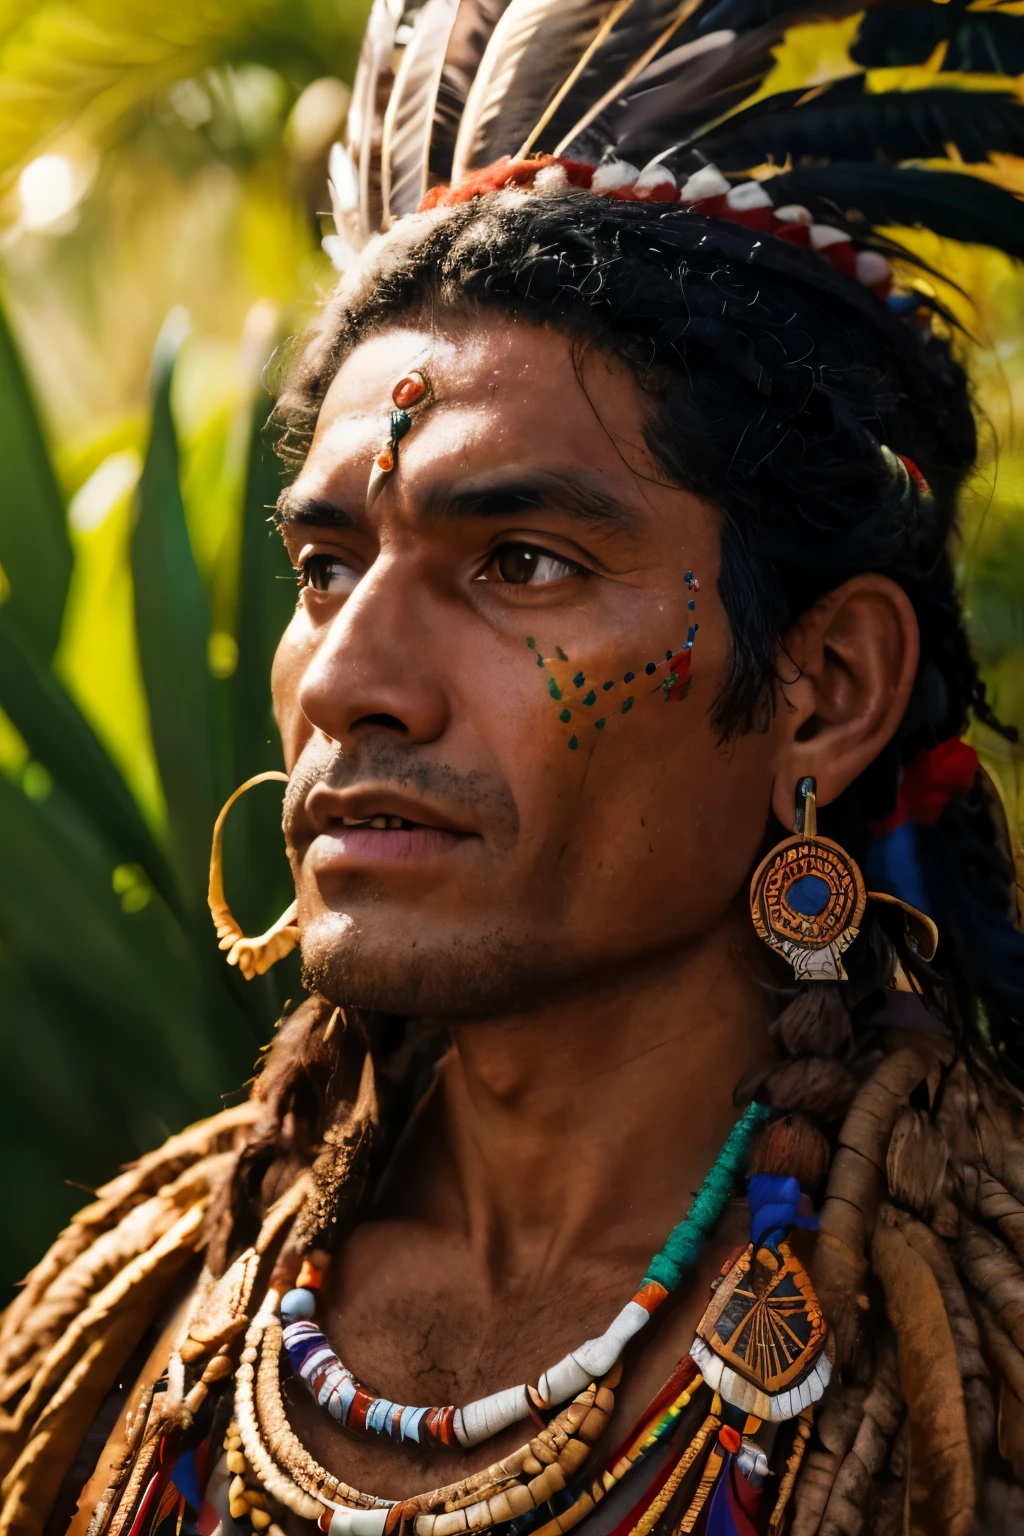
<point>409,396</point>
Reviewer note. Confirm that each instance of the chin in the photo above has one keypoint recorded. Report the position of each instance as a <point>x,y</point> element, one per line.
<point>448,978</point>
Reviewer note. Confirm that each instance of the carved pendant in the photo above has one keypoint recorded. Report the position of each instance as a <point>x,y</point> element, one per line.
<point>763,1343</point>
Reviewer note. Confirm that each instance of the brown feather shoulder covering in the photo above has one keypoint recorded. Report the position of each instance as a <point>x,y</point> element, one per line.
<point>919,1265</point>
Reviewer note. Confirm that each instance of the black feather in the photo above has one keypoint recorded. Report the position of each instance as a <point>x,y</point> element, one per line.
<point>848,123</point>
<point>640,28</point>
<point>980,42</point>
<point>955,205</point>
<point>647,121</point>
<point>475,21</point>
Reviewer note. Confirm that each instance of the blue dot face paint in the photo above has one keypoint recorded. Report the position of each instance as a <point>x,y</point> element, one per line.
<point>578,694</point>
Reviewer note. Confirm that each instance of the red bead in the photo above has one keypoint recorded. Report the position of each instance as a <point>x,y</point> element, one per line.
<point>359,1409</point>
<point>843,257</point>
<point>793,234</point>
<point>711,207</point>
<point>664,192</point>
<point>651,1295</point>
<point>680,665</point>
<point>408,390</point>
<point>729,1439</point>
<point>578,174</point>
<point>752,218</point>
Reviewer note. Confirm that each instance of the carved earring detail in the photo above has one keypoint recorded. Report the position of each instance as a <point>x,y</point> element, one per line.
<point>252,956</point>
<point>807,897</point>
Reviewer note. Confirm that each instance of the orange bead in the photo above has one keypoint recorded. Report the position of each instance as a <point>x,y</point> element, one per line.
<point>408,390</point>
<point>730,1439</point>
<point>309,1277</point>
<point>386,459</point>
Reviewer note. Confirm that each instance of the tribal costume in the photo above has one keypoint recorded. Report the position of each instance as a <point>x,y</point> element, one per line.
<point>588,162</point>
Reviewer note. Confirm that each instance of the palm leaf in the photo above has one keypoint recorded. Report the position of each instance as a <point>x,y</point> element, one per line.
<point>59,737</point>
<point>116,978</point>
<point>90,67</point>
<point>35,553</point>
<point>258,877</point>
<point>173,634</point>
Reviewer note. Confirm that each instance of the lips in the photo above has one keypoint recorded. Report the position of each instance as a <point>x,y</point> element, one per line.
<point>364,847</point>
<point>364,828</point>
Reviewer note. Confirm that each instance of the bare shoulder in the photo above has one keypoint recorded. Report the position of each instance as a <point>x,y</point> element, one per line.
<point>88,1303</point>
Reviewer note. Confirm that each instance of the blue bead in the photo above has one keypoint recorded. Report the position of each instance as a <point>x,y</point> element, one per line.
<point>298,1304</point>
<point>809,895</point>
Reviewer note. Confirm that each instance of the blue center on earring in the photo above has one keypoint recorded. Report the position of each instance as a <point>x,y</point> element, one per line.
<point>809,895</point>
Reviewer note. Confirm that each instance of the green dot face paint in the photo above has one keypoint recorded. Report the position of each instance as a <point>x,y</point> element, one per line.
<point>579,694</point>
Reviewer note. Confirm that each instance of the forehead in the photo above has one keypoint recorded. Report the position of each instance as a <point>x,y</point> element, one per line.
<point>500,391</point>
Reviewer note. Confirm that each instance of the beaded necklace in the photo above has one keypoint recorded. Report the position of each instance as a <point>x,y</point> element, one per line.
<point>761,1341</point>
<point>347,1400</point>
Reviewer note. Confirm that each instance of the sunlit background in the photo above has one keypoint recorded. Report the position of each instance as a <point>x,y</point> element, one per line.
<point>162,186</point>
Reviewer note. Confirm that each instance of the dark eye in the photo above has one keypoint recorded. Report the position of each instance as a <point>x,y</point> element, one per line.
<point>327,573</point>
<point>523,565</point>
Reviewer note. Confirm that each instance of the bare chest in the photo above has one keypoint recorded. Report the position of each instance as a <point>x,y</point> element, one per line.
<point>418,1324</point>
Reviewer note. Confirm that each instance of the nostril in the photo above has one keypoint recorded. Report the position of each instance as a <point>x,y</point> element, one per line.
<point>389,722</point>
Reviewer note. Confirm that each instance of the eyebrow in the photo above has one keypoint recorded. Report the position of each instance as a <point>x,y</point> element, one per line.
<point>294,510</point>
<point>577,495</point>
<point>496,496</point>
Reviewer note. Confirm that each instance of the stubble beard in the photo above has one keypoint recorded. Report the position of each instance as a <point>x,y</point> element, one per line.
<point>487,975</point>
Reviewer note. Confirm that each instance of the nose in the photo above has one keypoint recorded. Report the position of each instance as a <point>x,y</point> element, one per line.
<point>372,670</point>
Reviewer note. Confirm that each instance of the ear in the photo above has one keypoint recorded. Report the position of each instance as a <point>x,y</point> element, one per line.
<point>848,670</point>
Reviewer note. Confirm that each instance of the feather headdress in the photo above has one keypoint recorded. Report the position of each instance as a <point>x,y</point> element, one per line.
<point>892,115</point>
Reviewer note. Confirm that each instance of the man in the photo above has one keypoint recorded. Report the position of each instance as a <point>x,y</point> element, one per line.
<point>620,528</point>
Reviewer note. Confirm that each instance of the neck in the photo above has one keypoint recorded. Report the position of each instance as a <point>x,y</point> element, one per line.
<point>588,1123</point>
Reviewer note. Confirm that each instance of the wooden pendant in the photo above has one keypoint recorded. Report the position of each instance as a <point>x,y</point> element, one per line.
<point>764,1336</point>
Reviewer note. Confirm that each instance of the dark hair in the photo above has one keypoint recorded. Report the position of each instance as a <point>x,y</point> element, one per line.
<point>773,381</point>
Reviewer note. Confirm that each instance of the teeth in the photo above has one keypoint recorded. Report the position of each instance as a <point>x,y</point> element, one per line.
<point>392,823</point>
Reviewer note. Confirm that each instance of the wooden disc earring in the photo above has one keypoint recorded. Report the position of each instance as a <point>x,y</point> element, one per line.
<point>807,897</point>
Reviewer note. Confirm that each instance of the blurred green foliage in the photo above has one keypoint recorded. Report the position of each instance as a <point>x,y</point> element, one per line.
<point>161,177</point>
<point>162,173</point>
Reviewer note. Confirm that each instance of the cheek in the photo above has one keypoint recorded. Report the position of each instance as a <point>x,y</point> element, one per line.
<point>293,655</point>
<point>657,824</point>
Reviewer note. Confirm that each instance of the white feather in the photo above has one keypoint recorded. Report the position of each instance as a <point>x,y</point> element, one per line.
<point>535,45</point>
<point>409,119</point>
<point>373,82</point>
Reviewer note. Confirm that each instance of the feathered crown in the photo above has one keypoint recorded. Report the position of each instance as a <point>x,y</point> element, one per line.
<point>894,115</point>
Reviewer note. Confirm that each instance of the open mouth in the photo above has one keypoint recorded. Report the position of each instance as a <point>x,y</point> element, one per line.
<point>383,837</point>
<point>384,823</point>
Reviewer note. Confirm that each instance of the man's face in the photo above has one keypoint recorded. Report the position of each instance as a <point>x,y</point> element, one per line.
<point>446,670</point>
